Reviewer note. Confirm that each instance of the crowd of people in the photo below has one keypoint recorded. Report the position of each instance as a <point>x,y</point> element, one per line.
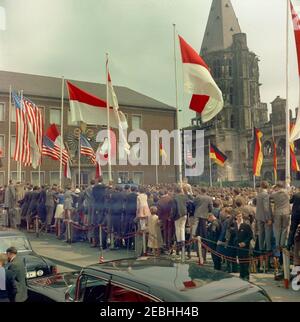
<point>234,224</point>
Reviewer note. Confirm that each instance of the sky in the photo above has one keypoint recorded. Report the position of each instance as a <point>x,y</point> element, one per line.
<point>71,37</point>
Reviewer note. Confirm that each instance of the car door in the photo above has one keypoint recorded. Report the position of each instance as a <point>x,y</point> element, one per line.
<point>91,289</point>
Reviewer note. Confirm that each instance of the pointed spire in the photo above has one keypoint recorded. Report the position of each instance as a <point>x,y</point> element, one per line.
<point>221,26</point>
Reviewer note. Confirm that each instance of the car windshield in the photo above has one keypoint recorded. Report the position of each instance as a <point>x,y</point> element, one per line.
<point>20,242</point>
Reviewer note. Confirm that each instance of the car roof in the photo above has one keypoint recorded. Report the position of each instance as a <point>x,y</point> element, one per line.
<point>169,280</point>
<point>7,232</point>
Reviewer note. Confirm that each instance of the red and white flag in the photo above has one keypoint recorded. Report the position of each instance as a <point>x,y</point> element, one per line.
<point>90,109</point>
<point>295,134</point>
<point>122,122</point>
<point>207,98</point>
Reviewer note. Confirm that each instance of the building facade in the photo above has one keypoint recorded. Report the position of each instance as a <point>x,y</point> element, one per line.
<point>142,112</point>
<point>235,69</point>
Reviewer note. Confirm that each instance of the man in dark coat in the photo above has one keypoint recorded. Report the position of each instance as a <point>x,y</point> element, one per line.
<point>98,216</point>
<point>164,212</point>
<point>130,214</point>
<point>17,268</point>
<point>213,234</point>
<point>295,220</point>
<point>116,207</point>
<point>243,237</point>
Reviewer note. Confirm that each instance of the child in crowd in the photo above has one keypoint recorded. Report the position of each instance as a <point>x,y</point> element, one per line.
<point>155,237</point>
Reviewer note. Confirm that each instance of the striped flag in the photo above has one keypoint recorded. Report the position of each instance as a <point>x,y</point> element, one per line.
<point>295,133</point>
<point>53,134</point>
<point>87,150</point>
<point>52,150</point>
<point>216,155</point>
<point>29,132</point>
<point>294,162</point>
<point>258,154</point>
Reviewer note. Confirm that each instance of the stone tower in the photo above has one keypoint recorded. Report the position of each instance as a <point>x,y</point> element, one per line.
<point>235,69</point>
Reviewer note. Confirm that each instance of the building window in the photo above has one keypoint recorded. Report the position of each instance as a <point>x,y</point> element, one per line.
<point>55,116</point>
<point>15,176</point>
<point>231,95</point>
<point>54,177</point>
<point>70,120</point>
<point>138,178</point>
<point>2,178</point>
<point>2,112</point>
<point>35,178</point>
<point>2,144</point>
<point>232,122</point>
<point>13,113</point>
<point>230,67</point>
<point>12,146</point>
<point>123,177</point>
<point>217,68</point>
<point>84,178</point>
<point>136,122</point>
<point>105,177</point>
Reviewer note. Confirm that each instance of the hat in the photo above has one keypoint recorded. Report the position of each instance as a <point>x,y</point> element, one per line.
<point>77,190</point>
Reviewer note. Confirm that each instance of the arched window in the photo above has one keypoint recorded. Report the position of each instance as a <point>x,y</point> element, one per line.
<point>230,67</point>
<point>231,95</point>
<point>217,68</point>
<point>281,147</point>
<point>232,121</point>
<point>268,151</point>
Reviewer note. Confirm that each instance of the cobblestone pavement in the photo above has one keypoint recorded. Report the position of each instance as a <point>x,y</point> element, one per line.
<point>77,255</point>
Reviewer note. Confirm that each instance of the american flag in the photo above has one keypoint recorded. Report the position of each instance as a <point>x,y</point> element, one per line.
<point>29,120</point>
<point>52,150</point>
<point>87,150</point>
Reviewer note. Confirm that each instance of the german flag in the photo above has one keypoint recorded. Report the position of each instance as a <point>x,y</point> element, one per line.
<point>258,153</point>
<point>294,162</point>
<point>216,155</point>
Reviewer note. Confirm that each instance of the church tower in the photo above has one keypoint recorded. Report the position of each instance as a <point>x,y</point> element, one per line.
<point>236,71</point>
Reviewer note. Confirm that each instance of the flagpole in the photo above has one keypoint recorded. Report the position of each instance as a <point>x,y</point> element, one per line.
<point>79,161</point>
<point>20,162</point>
<point>209,158</point>
<point>108,123</point>
<point>177,110</point>
<point>9,135</point>
<point>61,130</point>
<point>287,116</point>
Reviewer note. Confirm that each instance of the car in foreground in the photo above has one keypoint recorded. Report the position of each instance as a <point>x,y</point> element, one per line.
<point>146,279</point>
<point>35,265</point>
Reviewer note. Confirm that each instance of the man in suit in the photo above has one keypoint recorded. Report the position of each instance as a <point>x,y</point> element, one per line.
<point>10,201</point>
<point>130,214</point>
<point>90,204</point>
<point>243,237</point>
<point>203,206</point>
<point>295,220</point>
<point>264,218</point>
<point>164,212</point>
<point>8,288</point>
<point>116,207</point>
<point>98,217</point>
<point>17,268</point>
<point>50,203</point>
<point>281,217</point>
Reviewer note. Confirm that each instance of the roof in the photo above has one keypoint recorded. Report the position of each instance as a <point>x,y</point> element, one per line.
<point>168,280</point>
<point>222,24</point>
<point>50,87</point>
